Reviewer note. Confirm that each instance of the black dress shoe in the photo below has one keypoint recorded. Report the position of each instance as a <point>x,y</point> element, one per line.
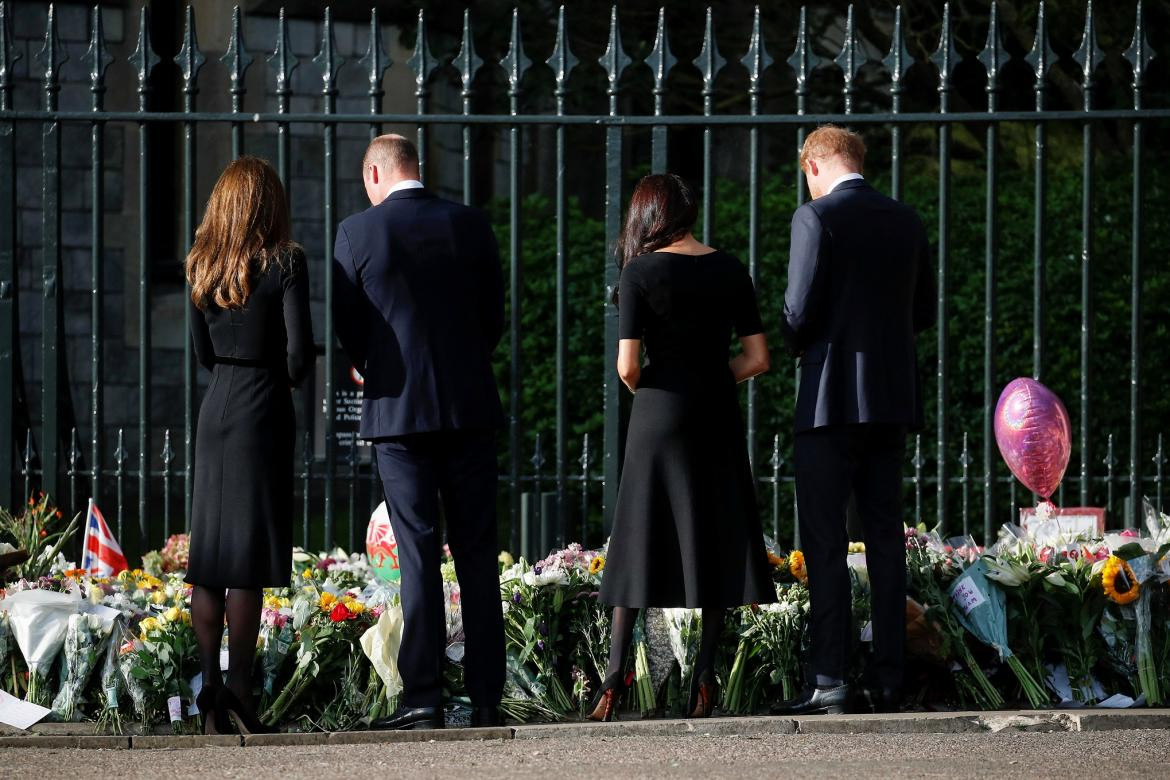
<point>482,717</point>
<point>883,699</point>
<point>410,718</point>
<point>818,701</point>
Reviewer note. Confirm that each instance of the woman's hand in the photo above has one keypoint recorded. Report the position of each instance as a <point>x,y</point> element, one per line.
<point>753,360</point>
<point>629,362</point>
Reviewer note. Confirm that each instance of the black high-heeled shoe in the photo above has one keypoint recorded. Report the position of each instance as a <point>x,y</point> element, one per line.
<point>703,695</point>
<point>605,703</point>
<point>214,720</point>
<point>245,721</point>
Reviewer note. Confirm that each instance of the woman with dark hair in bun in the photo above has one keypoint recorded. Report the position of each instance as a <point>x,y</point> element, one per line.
<point>686,531</point>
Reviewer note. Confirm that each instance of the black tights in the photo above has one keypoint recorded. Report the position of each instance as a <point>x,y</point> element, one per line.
<point>622,631</point>
<point>242,606</point>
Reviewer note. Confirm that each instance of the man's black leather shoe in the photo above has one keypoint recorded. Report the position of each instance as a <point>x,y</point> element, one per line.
<point>817,701</point>
<point>482,717</point>
<point>883,699</point>
<point>410,718</point>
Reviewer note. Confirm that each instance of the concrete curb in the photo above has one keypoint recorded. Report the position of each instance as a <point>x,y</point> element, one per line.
<point>71,736</point>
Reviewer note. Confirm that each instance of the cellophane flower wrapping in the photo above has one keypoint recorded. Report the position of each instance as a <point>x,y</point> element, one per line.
<point>84,639</point>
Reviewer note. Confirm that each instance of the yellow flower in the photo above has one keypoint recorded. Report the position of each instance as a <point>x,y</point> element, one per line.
<point>307,573</point>
<point>171,615</point>
<point>797,567</point>
<point>185,616</point>
<point>272,602</point>
<point>597,564</point>
<point>327,601</point>
<point>149,624</point>
<point>505,558</point>
<point>1119,582</point>
<point>353,605</point>
<point>158,597</point>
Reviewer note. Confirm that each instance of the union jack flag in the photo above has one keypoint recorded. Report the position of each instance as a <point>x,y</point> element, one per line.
<point>102,555</point>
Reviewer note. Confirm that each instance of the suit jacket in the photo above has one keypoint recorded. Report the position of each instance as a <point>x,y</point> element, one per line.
<point>860,287</point>
<point>418,302</point>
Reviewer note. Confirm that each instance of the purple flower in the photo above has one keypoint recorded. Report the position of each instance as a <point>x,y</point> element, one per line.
<point>537,569</point>
<point>543,628</point>
<point>540,645</point>
<point>516,596</point>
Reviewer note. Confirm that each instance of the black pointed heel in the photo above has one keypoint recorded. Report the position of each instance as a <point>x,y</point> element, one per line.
<point>207,702</point>
<point>245,722</point>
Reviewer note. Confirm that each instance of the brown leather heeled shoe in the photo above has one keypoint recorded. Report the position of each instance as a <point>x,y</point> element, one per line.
<point>703,696</point>
<point>605,703</point>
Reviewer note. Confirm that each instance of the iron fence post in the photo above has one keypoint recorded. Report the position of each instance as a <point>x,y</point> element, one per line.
<point>144,60</point>
<point>1138,54</point>
<point>190,60</point>
<point>945,58</point>
<point>53,383</point>
<point>562,63</point>
<point>9,283</point>
<point>614,61</point>
<point>1088,56</point>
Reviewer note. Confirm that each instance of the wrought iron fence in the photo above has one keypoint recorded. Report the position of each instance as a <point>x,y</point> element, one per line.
<point>338,490</point>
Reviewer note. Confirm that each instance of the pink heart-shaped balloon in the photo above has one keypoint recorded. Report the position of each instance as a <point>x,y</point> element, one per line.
<point>1033,434</point>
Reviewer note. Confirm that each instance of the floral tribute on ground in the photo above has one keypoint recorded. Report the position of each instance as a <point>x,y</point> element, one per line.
<point>1027,622</point>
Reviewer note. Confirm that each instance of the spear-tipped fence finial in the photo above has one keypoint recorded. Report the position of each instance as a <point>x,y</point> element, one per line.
<point>189,59</point>
<point>516,62</point>
<point>756,60</point>
<point>561,60</point>
<point>803,61</point>
<point>709,62</point>
<point>282,59</point>
<point>376,61</point>
<point>327,59</point>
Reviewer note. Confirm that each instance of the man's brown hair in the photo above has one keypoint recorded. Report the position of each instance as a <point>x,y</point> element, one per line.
<point>830,140</point>
<point>391,153</point>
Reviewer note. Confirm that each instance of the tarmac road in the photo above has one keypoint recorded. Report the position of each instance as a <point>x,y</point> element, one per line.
<point>1001,756</point>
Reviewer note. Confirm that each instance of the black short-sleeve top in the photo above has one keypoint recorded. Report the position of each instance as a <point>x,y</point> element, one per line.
<point>687,307</point>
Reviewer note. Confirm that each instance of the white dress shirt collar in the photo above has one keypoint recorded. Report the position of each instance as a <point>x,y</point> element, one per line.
<point>405,184</point>
<point>842,179</point>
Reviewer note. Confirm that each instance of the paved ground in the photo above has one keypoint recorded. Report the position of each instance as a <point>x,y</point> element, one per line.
<point>1003,755</point>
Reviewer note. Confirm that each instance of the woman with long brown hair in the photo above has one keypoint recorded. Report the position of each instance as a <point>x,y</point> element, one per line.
<point>686,532</point>
<point>252,330</point>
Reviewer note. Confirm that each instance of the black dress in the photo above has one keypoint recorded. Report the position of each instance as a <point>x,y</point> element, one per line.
<point>242,499</point>
<point>686,532</point>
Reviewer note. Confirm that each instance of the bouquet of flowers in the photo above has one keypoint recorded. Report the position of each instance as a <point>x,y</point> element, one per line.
<point>1070,616</point>
<point>174,553</point>
<point>771,637</point>
<point>330,628</point>
<point>84,638</point>
<point>163,661</point>
<point>929,575</point>
<point>276,638</point>
<point>979,605</point>
<point>38,527</point>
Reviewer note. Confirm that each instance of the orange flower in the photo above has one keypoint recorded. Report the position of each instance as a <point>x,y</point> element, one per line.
<point>775,560</point>
<point>797,567</point>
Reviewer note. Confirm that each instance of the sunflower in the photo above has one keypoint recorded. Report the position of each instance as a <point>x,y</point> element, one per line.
<point>1119,582</point>
<point>327,601</point>
<point>597,564</point>
<point>797,567</point>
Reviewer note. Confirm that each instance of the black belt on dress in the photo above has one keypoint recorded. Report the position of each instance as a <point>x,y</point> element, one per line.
<point>249,362</point>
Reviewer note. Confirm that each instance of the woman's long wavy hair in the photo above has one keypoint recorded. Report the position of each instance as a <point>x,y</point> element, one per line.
<point>662,210</point>
<point>245,227</point>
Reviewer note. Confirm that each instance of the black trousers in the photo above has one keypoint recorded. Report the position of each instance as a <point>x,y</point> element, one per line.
<point>832,462</point>
<point>458,469</point>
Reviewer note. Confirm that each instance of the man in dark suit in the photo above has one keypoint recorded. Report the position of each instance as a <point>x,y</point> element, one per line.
<point>419,307</point>
<point>860,288</point>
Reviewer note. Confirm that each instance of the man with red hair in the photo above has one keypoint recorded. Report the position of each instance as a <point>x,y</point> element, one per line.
<point>860,289</point>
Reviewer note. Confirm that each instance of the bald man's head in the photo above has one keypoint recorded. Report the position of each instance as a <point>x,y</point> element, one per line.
<point>389,159</point>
